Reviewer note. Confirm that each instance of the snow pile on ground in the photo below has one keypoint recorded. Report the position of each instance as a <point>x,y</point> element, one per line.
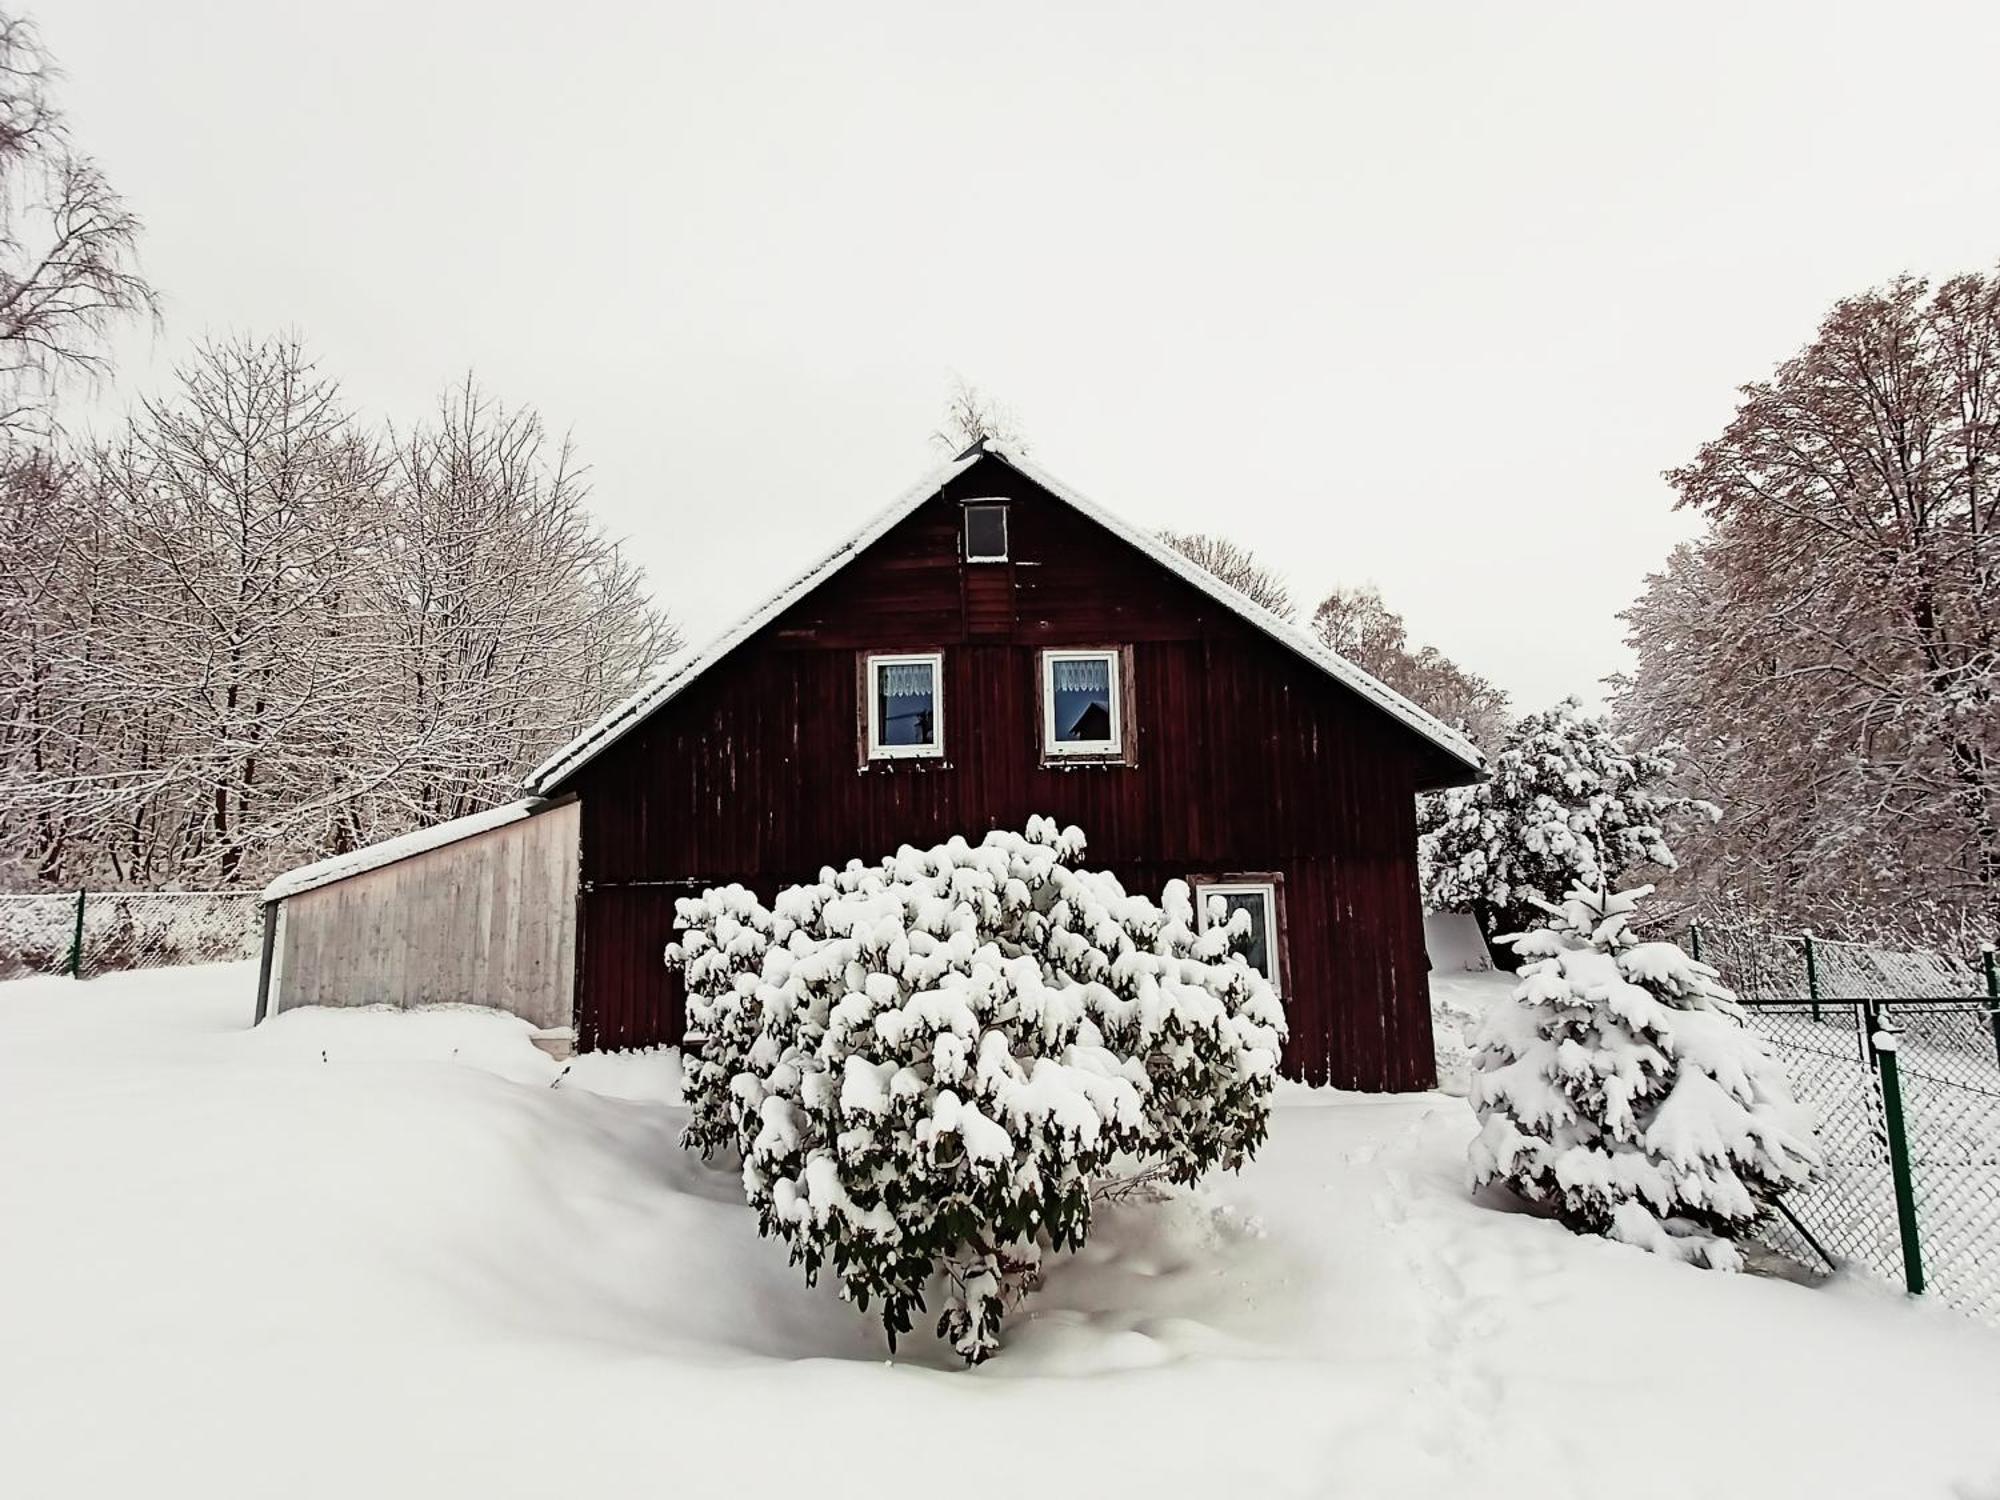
<point>1459,1003</point>
<point>1454,944</point>
<point>386,1253</point>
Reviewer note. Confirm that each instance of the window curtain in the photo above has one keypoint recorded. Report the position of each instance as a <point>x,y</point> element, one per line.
<point>906,679</point>
<point>1082,676</point>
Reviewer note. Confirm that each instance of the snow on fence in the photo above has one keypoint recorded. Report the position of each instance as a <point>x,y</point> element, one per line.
<point>96,932</point>
<point>1899,1053</point>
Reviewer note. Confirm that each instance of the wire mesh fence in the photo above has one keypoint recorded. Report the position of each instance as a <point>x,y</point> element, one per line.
<point>95,932</point>
<point>1899,1055</point>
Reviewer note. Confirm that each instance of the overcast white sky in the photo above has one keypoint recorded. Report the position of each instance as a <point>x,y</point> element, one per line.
<point>1422,295</point>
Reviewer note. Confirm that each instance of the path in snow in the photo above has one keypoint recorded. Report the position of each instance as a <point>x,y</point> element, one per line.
<point>378,1253</point>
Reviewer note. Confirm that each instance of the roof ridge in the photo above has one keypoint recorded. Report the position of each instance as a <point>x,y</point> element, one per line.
<point>615,723</point>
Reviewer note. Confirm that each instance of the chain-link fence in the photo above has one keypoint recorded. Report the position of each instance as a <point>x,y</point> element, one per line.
<point>1899,1054</point>
<point>94,932</point>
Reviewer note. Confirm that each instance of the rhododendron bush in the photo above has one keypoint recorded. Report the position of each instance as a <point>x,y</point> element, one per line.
<point>929,1066</point>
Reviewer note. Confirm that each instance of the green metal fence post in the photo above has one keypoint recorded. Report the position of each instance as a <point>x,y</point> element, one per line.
<point>1992,992</point>
<point>76,941</point>
<point>1884,1042</point>
<point>1694,941</point>
<point>1812,975</point>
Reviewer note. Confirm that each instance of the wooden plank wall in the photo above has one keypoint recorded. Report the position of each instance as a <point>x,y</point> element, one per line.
<point>1247,759</point>
<point>490,920</point>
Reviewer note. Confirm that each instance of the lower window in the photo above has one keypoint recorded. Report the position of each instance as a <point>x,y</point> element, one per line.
<point>1218,901</point>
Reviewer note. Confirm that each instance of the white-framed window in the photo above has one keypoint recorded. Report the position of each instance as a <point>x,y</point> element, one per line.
<point>1218,901</point>
<point>905,700</point>
<point>1083,703</point>
<point>985,531</point>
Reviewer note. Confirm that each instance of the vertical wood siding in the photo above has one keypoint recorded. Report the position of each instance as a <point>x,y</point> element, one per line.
<point>1245,759</point>
<point>490,920</point>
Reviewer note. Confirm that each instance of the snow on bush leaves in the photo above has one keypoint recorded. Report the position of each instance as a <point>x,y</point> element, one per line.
<point>1621,1086</point>
<point>929,1064</point>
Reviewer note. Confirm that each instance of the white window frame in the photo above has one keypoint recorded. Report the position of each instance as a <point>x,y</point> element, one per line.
<point>1204,889</point>
<point>1110,749</point>
<point>934,750</point>
<point>1006,531</point>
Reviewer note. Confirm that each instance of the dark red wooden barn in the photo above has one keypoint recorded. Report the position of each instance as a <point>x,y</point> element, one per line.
<point>993,646</point>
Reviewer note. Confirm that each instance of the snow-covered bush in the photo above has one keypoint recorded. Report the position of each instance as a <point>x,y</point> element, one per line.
<point>722,958</point>
<point>929,1064</point>
<point>1568,804</point>
<point>1621,1086</point>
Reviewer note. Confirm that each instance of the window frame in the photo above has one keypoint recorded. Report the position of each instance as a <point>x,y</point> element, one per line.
<point>1271,886</point>
<point>966,508</point>
<point>872,748</point>
<point>1116,751</point>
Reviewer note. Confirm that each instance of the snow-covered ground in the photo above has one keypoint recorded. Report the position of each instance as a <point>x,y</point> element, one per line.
<point>377,1253</point>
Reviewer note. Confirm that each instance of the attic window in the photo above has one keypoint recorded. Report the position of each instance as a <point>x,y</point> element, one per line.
<point>986,531</point>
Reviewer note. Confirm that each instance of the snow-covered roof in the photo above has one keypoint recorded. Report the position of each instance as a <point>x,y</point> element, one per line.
<point>626,716</point>
<point>403,846</point>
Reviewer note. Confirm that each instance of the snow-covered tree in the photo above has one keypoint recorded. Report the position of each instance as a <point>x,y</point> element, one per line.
<point>1828,648</point>
<point>68,244</point>
<point>249,634</point>
<point>1568,803</point>
<point>930,1065</point>
<point>510,619</point>
<point>1621,1087</point>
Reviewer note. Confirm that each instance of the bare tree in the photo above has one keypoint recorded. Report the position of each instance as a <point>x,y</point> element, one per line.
<point>513,619</point>
<point>1826,651</point>
<point>68,267</point>
<point>1356,623</point>
<point>252,632</point>
<point>971,417</point>
<point>48,563</point>
<point>1236,566</point>
<point>240,510</point>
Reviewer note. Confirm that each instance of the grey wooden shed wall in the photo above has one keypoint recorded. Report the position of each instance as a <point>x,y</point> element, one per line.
<point>488,920</point>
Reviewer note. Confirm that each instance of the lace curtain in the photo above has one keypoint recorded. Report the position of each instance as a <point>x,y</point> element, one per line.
<point>905,679</point>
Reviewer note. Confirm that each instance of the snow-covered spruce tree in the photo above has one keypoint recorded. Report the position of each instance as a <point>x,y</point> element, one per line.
<point>1569,803</point>
<point>1621,1086</point>
<point>928,1065</point>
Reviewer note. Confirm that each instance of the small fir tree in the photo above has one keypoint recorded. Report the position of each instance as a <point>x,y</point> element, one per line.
<point>930,1066</point>
<point>1621,1087</point>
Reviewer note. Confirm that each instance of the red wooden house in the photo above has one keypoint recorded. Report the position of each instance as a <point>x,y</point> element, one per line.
<point>992,646</point>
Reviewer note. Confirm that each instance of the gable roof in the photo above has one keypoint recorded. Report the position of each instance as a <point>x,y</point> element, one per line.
<point>677,677</point>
